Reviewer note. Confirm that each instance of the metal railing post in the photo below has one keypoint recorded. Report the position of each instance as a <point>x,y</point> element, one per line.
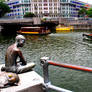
<point>44,64</point>
<point>47,83</point>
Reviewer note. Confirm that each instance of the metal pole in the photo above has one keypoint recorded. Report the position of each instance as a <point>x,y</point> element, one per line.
<point>44,64</point>
<point>58,89</point>
<point>87,69</point>
<point>47,84</point>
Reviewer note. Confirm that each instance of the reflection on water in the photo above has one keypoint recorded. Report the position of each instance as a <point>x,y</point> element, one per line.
<point>63,48</point>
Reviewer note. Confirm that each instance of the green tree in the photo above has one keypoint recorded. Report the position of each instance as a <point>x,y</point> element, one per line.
<point>2,0</point>
<point>29,14</point>
<point>89,12</point>
<point>82,12</point>
<point>4,8</point>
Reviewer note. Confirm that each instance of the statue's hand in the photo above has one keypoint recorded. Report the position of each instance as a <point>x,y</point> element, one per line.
<point>24,63</point>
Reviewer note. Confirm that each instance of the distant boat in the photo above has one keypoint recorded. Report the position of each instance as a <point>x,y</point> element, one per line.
<point>60,29</point>
<point>34,31</point>
<point>87,36</point>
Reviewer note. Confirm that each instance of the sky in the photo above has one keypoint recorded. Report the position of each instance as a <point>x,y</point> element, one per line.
<point>87,1</point>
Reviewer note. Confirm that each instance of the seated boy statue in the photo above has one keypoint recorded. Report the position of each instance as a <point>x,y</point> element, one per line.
<point>12,53</point>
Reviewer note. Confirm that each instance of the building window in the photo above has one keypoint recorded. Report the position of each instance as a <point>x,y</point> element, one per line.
<point>45,8</point>
<point>45,5</point>
<point>50,0</point>
<point>45,0</point>
<point>26,9</point>
<point>64,0</point>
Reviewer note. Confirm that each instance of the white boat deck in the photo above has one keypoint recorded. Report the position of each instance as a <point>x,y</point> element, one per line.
<point>29,82</point>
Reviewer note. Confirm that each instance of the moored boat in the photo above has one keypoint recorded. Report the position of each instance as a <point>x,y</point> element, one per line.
<point>60,28</point>
<point>34,30</point>
<point>87,36</point>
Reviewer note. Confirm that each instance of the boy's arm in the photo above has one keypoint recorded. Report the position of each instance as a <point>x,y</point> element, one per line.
<point>22,58</point>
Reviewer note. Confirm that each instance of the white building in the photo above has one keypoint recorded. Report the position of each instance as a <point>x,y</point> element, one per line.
<point>45,8</point>
<point>70,8</point>
<point>18,8</point>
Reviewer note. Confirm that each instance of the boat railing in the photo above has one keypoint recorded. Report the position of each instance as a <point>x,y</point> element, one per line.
<point>45,62</point>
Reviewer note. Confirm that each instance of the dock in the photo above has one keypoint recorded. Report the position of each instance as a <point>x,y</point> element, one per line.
<point>29,82</point>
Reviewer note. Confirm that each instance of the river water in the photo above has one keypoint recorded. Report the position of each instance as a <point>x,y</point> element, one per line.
<point>67,48</point>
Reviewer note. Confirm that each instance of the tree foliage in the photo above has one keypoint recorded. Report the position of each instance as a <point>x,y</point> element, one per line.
<point>4,8</point>
<point>29,14</point>
<point>89,12</point>
<point>82,12</point>
<point>2,0</point>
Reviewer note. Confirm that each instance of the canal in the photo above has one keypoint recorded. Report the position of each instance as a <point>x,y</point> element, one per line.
<point>67,48</point>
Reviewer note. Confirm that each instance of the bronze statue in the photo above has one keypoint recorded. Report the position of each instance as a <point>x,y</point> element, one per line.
<point>12,53</point>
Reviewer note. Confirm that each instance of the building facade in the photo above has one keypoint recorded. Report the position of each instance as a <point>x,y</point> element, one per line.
<point>18,8</point>
<point>70,8</point>
<point>45,8</point>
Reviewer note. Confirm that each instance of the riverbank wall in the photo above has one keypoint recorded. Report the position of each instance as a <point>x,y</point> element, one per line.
<point>80,24</point>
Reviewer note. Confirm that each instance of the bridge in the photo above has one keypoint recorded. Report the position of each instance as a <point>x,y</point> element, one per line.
<point>13,25</point>
<point>3,21</point>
